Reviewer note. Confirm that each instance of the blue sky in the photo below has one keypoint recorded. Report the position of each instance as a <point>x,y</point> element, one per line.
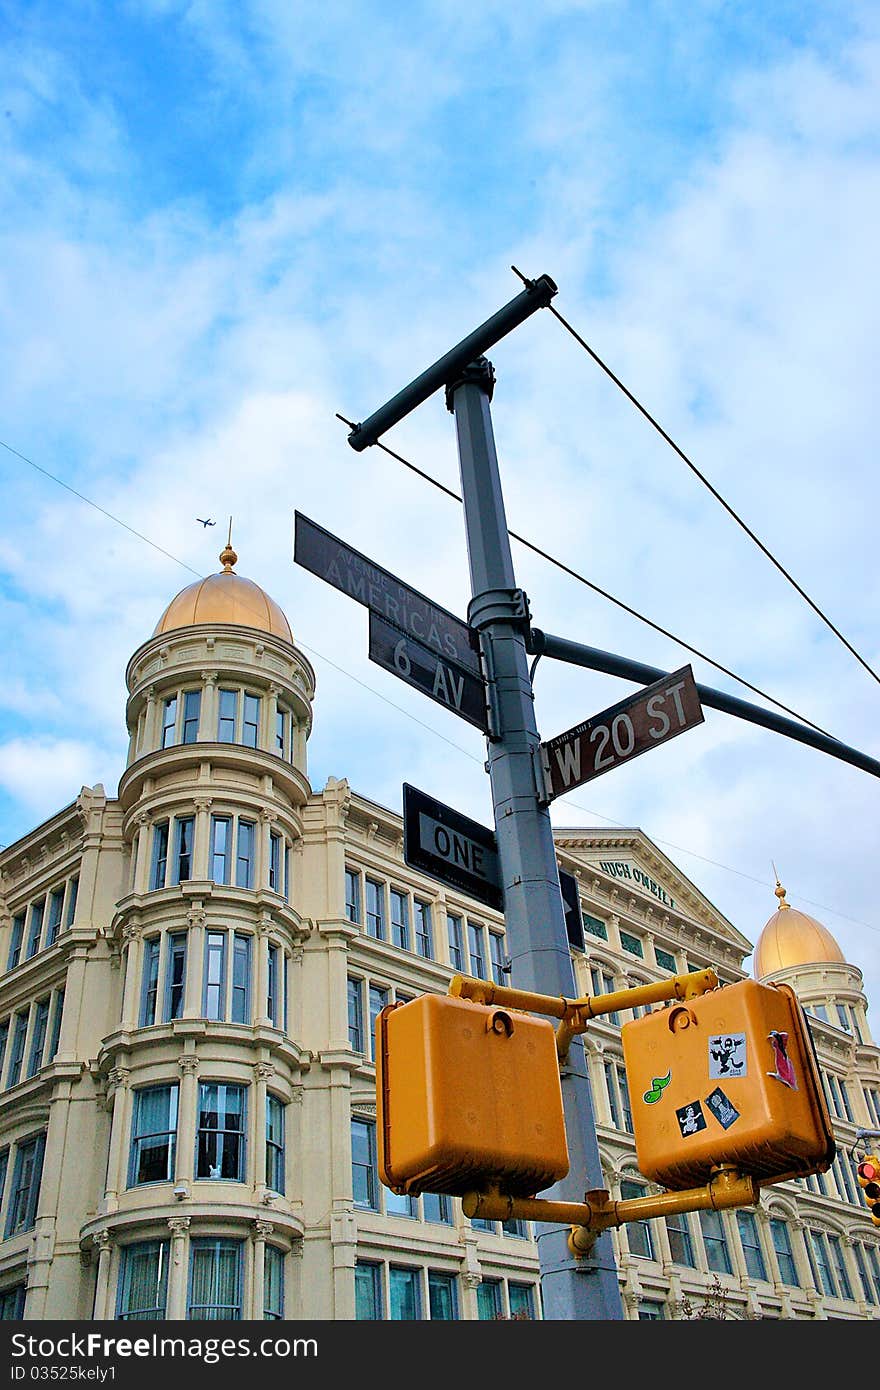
<point>223,223</point>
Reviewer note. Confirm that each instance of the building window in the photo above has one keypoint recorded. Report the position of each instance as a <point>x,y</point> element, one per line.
<point>437,1206</point>
<point>221,832</point>
<point>784,1256</point>
<point>12,1303</point>
<point>72,890</point>
<point>160,855</point>
<point>227,708</point>
<point>751,1244</point>
<point>400,1204</point>
<point>490,1305</point>
<point>845,1181</point>
<point>274,1144</point>
<point>192,702</point>
<point>38,1037</point>
<point>442,1298</point>
<point>820,1262</point>
<point>603,983</point>
<point>25,1191</point>
<point>650,1310</point>
<point>273,1284</point>
<point>273,983</point>
<point>250,722</point>
<point>355,1015</point>
<point>664,959</point>
<point>868,1286</point>
<point>53,922</point>
<point>515,1226</point>
<point>367,1291</point>
<point>241,978</point>
<point>215,1281</point>
<point>16,1055</point>
<point>4,1038</point>
<point>681,1247</point>
<point>497,957</point>
<point>169,720</point>
<point>405,1294</point>
<point>638,1233</point>
<point>352,895</point>
<point>153,1135</point>
<point>220,1141</point>
<point>364,1172</point>
<point>244,860</point>
<point>456,942</point>
<point>175,976</point>
<point>378,1001</point>
<point>839,1265</point>
<point>522,1301</point>
<point>56,1024</point>
<point>150,982</point>
<point>424,931</point>
<point>631,943</point>
<point>715,1241</point>
<point>36,928</point>
<point>400,919</point>
<point>15,941</point>
<point>275,846</point>
<point>280,732</point>
<point>376,909</point>
<point>184,830</point>
<point>847,1108</point>
<point>594,925</point>
<point>477,950</point>
<point>215,974</point>
<point>611,1091</point>
<point>143,1282</point>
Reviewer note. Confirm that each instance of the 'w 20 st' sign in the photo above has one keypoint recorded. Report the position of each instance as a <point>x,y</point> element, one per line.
<point>652,716</point>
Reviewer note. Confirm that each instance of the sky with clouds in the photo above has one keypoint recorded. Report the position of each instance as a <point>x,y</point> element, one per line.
<point>222,223</point>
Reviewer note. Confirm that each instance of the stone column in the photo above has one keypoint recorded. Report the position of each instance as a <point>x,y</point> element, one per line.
<point>208,708</point>
<point>202,838</point>
<point>263,1073</point>
<point>188,1066</point>
<point>196,919</point>
<point>103,1243</point>
<point>151,732</point>
<point>177,1280</point>
<point>271,703</point>
<point>261,969</point>
<point>142,859</point>
<point>118,1080</point>
<point>259,1235</point>
<point>134,949</point>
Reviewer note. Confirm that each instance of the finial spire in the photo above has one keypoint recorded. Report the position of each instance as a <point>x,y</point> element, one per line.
<point>228,556</point>
<point>779,890</point>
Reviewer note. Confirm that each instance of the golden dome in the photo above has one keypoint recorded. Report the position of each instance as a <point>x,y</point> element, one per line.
<point>225,598</point>
<point>792,937</point>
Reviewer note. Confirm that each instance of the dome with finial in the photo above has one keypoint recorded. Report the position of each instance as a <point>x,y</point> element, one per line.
<point>790,938</point>
<point>226,598</point>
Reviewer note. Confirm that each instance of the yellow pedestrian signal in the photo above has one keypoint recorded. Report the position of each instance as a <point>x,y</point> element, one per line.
<point>467,1096</point>
<point>868,1174</point>
<point>728,1077</point>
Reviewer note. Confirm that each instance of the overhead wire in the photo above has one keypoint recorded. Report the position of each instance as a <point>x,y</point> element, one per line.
<point>705,481</point>
<point>582,579</point>
<point>378,694</point>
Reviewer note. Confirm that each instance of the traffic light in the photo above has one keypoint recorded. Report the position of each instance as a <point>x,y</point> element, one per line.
<point>868,1174</point>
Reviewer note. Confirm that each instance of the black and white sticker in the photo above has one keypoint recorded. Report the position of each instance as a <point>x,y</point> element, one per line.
<point>691,1119</point>
<point>727,1055</point>
<point>724,1111</point>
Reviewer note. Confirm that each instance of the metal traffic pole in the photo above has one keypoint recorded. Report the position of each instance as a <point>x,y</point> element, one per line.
<point>537,941</point>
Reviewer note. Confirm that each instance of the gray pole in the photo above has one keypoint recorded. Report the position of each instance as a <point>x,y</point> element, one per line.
<point>534,917</point>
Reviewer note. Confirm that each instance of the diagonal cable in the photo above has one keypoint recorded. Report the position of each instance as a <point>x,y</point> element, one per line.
<point>705,481</point>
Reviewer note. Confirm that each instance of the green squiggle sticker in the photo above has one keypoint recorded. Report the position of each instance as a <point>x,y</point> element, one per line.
<point>658,1086</point>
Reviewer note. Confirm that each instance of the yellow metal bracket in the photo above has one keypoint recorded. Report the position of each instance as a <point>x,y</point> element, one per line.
<point>574,1014</point>
<point>726,1188</point>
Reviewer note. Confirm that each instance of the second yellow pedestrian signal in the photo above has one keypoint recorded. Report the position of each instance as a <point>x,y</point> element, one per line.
<point>468,1096</point>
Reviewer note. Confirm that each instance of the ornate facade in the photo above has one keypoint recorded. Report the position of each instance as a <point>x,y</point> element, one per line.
<point>190,972</point>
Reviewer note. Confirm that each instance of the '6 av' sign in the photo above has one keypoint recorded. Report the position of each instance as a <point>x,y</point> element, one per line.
<point>653,715</point>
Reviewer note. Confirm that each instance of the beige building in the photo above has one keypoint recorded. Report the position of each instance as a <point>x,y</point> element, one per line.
<point>190,970</point>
